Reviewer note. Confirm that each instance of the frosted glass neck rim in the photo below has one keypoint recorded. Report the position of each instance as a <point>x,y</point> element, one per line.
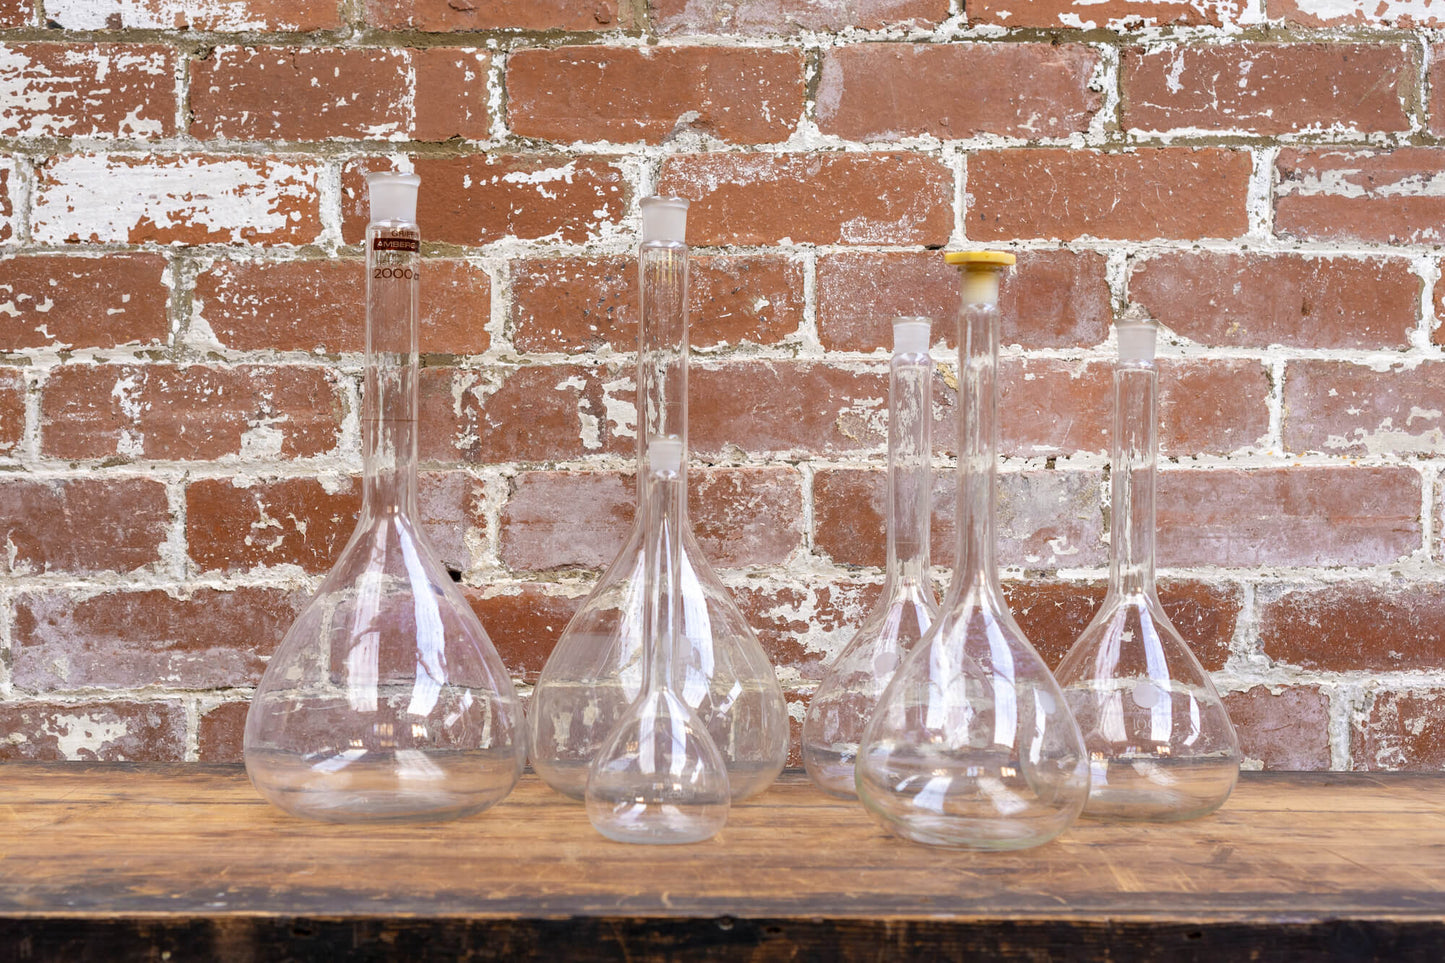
<point>911,335</point>
<point>664,219</point>
<point>392,196</point>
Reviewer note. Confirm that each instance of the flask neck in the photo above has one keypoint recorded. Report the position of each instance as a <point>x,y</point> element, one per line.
<point>977,444</point>
<point>389,389</point>
<point>910,481</point>
<point>1131,480</point>
<point>661,352</point>
<point>662,564</point>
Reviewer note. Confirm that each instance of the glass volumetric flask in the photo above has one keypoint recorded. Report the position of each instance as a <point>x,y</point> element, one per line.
<point>838,711</point>
<point>658,777</point>
<point>972,745</point>
<point>595,672</point>
<point>1159,739</point>
<point>386,700</point>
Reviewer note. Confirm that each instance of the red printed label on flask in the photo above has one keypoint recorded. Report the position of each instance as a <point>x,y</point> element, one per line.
<point>396,244</point>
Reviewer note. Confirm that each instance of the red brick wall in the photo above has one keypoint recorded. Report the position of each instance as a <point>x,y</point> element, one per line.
<point>180,324</point>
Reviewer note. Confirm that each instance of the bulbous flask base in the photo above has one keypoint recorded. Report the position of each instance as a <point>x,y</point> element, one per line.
<point>974,799</point>
<point>831,768</point>
<point>1160,789</point>
<point>384,786</point>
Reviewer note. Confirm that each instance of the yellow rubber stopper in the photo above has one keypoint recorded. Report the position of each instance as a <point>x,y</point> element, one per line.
<point>979,260</point>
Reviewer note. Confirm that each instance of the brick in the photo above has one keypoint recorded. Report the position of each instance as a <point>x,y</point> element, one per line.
<point>335,93</point>
<point>1400,731</point>
<point>1287,730</point>
<point>535,413</point>
<point>786,406</point>
<point>12,410</point>
<point>320,305</point>
<point>119,731</point>
<point>1352,626</point>
<point>524,623</point>
<point>1045,519</point>
<point>477,199</point>
<point>741,516</point>
<point>1338,13</point>
<point>1435,80</point>
<point>1055,299</point>
<point>1054,614</point>
<point>442,16</point>
<point>176,199</point>
<point>818,198</point>
<point>1110,14</point>
<point>1269,88</point>
<point>1346,408</point>
<point>1254,300</point>
<point>82,524</point>
<point>130,639</point>
<point>16,13</point>
<point>236,524</point>
<point>755,18</point>
<point>1302,515</point>
<point>802,628</point>
<point>196,412</point>
<point>869,91</point>
<point>87,90</point>
<point>9,179</point>
<point>650,94</point>
<point>230,16</point>
<point>577,304</point>
<point>84,302</point>
<point>1171,192</point>
<point>1378,196</point>
<point>221,733</point>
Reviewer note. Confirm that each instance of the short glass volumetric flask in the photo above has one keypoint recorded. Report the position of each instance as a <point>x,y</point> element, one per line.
<point>658,777</point>
<point>838,711</point>
<point>595,672</point>
<point>1159,739</point>
<point>972,745</point>
<point>386,700</point>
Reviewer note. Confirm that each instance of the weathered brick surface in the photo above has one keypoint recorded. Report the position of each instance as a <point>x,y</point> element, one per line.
<point>321,93</point>
<point>647,94</point>
<point>1354,409</point>
<point>1353,626</point>
<point>126,639</point>
<point>1270,88</point>
<point>525,625</point>
<point>476,199</point>
<point>119,730</point>
<point>83,302</point>
<point>1325,13</point>
<point>1401,730</point>
<point>221,732</point>
<point>16,13</point>
<point>81,525</point>
<point>816,198</point>
<point>87,90</point>
<point>443,16</point>
<point>1054,299</point>
<point>769,17</point>
<point>1173,192</point>
<point>1288,730</point>
<point>1360,195</point>
<point>1255,300</point>
<point>585,304</point>
<point>870,92</point>
<point>228,16</point>
<point>320,305</point>
<point>189,413</point>
<point>12,410</point>
<point>1111,14</point>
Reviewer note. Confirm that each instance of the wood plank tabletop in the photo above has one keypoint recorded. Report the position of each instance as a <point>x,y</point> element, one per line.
<point>109,861</point>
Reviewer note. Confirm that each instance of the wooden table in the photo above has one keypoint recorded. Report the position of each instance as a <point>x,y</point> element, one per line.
<point>139,861</point>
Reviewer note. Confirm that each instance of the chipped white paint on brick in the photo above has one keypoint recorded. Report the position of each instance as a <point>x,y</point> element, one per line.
<point>35,103</point>
<point>227,15</point>
<point>1422,12</point>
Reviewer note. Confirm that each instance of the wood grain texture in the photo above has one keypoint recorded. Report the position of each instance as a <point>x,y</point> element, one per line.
<point>117,861</point>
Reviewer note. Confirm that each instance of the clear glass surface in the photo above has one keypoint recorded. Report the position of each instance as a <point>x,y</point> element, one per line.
<point>386,699</point>
<point>658,776</point>
<point>1160,742</point>
<point>838,711</point>
<point>972,745</point>
<point>595,672</point>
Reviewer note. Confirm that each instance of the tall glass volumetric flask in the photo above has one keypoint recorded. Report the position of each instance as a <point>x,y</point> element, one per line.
<point>658,777</point>
<point>972,745</point>
<point>838,711</point>
<point>386,700</point>
<point>595,672</point>
<point>1160,742</point>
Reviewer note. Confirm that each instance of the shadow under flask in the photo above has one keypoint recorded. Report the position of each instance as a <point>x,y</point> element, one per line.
<point>658,777</point>
<point>1160,742</point>
<point>838,711</point>
<point>386,699</point>
<point>972,745</point>
<point>595,672</point>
